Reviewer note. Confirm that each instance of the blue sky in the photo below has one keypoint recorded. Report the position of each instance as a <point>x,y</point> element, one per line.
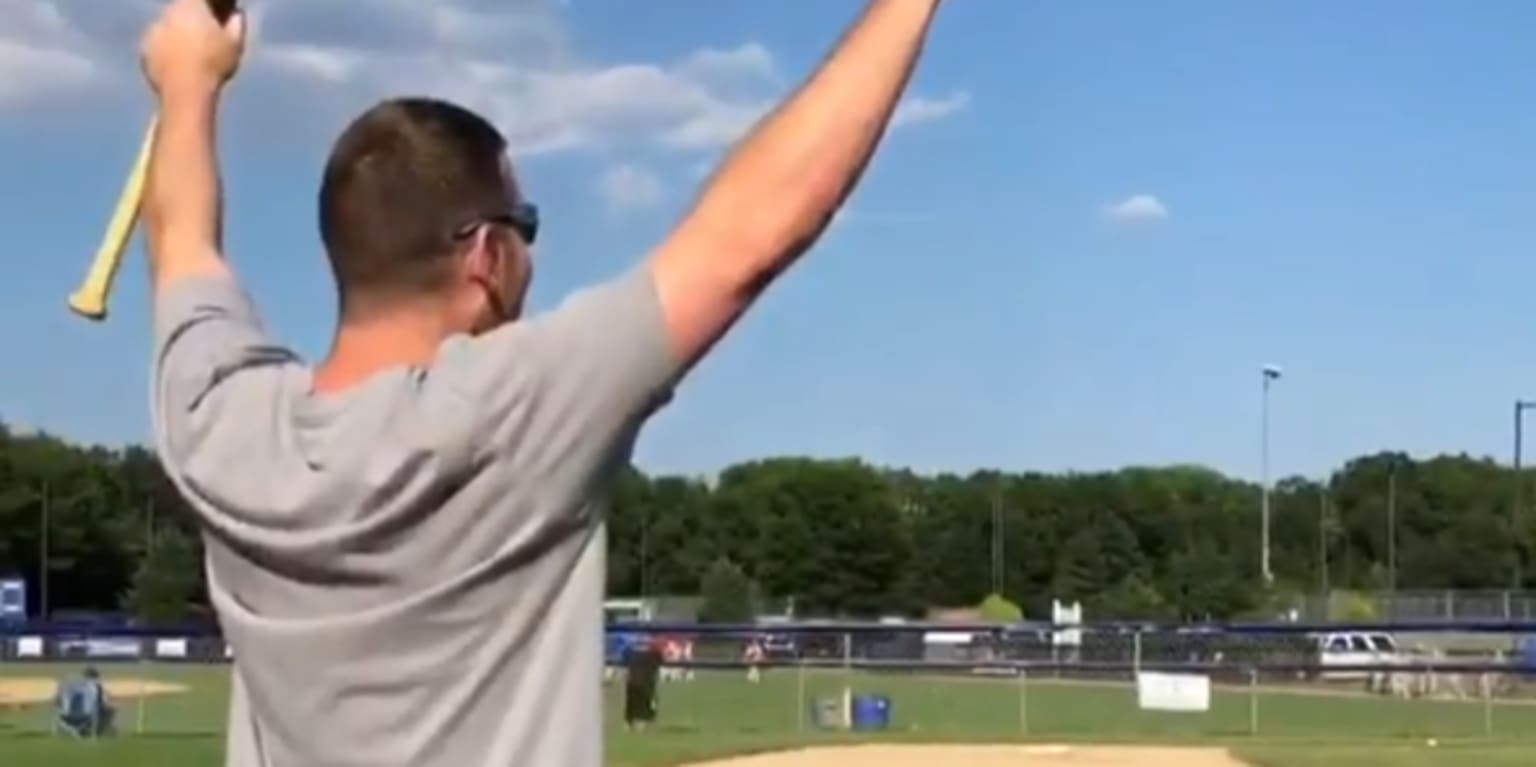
<point>1095,224</point>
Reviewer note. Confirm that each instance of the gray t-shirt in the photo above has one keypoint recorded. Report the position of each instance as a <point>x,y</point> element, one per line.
<point>410,572</point>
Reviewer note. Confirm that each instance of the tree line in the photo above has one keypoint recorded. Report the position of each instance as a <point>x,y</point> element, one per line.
<point>846,538</point>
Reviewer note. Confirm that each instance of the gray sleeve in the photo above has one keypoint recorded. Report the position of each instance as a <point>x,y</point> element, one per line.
<point>210,349</point>
<point>569,390</point>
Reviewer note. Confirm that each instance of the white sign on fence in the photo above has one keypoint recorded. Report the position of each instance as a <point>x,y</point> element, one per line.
<point>1063,614</point>
<point>171,648</point>
<point>29,647</point>
<point>1157,691</point>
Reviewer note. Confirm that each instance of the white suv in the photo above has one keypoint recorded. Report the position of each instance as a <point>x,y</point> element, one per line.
<point>1351,648</point>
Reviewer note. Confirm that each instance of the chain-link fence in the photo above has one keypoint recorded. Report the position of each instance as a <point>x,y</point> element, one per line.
<point>778,685</point>
<point>1423,605</point>
<point>1112,683</point>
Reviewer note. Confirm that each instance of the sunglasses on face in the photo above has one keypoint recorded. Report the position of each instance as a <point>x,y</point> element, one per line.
<point>523,219</point>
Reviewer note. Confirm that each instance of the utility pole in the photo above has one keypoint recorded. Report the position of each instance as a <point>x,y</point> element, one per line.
<point>42,557</point>
<point>1517,513</point>
<point>997,540</point>
<point>149,527</point>
<point>645,551</point>
<point>1322,541</point>
<point>1392,529</point>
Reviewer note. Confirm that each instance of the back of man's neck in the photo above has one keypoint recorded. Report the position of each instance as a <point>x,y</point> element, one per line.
<point>362,350</point>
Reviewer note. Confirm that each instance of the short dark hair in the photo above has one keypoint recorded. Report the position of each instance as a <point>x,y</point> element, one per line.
<point>400,181</point>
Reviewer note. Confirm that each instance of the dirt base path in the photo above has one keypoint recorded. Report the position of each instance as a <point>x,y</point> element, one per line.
<point>988,756</point>
<point>25,691</point>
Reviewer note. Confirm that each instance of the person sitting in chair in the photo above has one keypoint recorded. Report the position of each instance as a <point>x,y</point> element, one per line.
<point>82,706</point>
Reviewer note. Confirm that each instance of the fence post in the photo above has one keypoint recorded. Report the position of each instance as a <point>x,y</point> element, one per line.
<point>848,680</point>
<point>140,668</point>
<point>138,706</point>
<point>799,693</point>
<point>1136,651</point>
<point>1023,701</point>
<point>1486,681</point>
<point>1253,701</point>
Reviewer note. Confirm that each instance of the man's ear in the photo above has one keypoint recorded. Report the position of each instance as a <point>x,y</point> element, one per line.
<point>480,260</point>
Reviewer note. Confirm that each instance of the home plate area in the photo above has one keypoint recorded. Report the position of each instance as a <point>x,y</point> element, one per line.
<point>987,756</point>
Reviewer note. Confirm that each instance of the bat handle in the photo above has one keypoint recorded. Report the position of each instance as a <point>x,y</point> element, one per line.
<point>90,299</point>
<point>222,9</point>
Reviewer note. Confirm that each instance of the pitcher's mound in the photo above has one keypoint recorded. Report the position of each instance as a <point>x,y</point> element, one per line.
<point>988,756</point>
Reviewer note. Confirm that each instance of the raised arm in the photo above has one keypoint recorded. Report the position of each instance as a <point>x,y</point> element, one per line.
<point>210,349</point>
<point>777,191</point>
<point>188,57</point>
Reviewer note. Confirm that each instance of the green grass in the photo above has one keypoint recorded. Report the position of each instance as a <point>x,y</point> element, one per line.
<point>720,714</point>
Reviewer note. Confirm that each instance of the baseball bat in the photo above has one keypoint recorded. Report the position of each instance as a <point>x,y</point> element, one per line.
<point>90,299</point>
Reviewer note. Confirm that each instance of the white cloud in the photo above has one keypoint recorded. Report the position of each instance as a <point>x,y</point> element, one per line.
<point>29,72</point>
<point>41,53</point>
<point>627,187</point>
<point>918,109</point>
<point>510,59</point>
<point>1137,209</point>
<point>748,63</point>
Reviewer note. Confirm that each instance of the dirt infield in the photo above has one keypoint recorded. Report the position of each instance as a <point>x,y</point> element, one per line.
<point>21,691</point>
<point>988,756</point>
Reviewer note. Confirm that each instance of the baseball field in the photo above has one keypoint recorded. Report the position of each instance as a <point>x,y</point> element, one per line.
<point>171,716</point>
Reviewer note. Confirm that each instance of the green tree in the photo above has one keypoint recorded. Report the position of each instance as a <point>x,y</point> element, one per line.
<point>1130,598</point>
<point>165,583</point>
<point>728,594</point>
<point>997,609</point>
<point>844,538</point>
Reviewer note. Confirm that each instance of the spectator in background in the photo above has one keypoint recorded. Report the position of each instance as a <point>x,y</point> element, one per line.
<point>676,654</point>
<point>753,656</point>
<point>642,668</point>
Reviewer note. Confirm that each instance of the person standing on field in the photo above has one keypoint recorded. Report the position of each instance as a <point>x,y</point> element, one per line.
<point>753,656</point>
<point>405,541</point>
<point>642,672</point>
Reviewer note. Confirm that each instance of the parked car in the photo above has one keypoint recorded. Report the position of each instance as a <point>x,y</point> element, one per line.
<point>1353,648</point>
<point>780,646</point>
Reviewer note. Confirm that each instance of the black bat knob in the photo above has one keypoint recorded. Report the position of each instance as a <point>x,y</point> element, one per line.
<point>222,9</point>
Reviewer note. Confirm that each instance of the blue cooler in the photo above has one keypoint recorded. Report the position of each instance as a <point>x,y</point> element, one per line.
<point>870,712</point>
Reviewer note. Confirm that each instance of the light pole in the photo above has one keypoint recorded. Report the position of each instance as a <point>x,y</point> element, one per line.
<point>1269,374</point>
<point>1515,514</point>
